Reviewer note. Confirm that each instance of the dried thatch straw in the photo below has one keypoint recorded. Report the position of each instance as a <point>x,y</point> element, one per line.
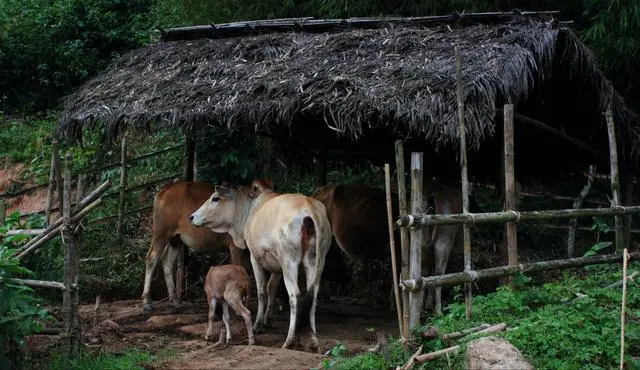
<point>403,77</point>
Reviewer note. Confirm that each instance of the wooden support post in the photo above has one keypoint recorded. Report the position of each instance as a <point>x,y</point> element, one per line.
<point>321,169</point>
<point>404,233</point>
<point>627,200</point>
<point>577,203</point>
<point>510,185</point>
<point>3,211</point>
<point>189,157</point>
<point>417,234</point>
<point>182,279</point>
<point>82,179</point>
<point>70,294</point>
<point>466,232</point>
<point>615,183</point>
<point>58,171</point>
<point>52,182</point>
<point>392,245</point>
<point>123,187</point>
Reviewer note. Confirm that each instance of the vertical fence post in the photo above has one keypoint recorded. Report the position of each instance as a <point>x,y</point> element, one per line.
<point>58,172</point>
<point>615,182</point>
<point>404,234</point>
<point>510,186</point>
<point>466,233</point>
<point>3,211</point>
<point>187,175</point>
<point>82,179</point>
<point>417,233</point>
<point>70,295</point>
<point>123,187</point>
<point>52,182</point>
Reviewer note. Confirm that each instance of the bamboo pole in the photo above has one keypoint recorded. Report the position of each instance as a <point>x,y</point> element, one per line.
<point>58,173</point>
<point>615,182</point>
<point>49,232</point>
<point>422,219</point>
<point>187,175</point>
<point>494,272</point>
<point>3,211</point>
<point>32,232</point>
<point>417,237</point>
<point>70,295</point>
<point>52,183</point>
<point>123,187</point>
<point>510,186</point>
<point>40,283</point>
<point>571,237</point>
<point>82,179</point>
<point>625,257</point>
<point>392,245</point>
<point>466,233</point>
<point>404,233</point>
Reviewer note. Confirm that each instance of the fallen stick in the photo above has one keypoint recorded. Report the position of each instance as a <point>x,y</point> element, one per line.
<point>492,329</point>
<point>462,333</point>
<point>411,362</point>
<point>433,355</point>
<point>79,207</point>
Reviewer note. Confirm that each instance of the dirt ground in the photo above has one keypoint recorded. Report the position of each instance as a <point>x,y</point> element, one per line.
<point>121,325</point>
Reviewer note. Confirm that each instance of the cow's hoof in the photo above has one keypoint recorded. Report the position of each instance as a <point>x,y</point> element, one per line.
<point>146,308</point>
<point>252,342</point>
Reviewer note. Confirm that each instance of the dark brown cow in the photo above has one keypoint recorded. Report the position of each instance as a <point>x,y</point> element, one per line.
<point>358,217</point>
<point>172,207</point>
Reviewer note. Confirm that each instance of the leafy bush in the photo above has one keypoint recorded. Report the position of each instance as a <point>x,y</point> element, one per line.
<point>20,309</point>
<point>131,359</point>
<point>570,324</point>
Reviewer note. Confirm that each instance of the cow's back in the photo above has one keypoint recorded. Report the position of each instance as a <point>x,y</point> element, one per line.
<point>171,209</point>
<point>358,217</point>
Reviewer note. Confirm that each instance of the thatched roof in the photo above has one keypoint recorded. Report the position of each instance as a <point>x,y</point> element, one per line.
<point>334,88</point>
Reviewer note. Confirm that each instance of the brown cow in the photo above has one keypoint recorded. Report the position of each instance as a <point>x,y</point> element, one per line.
<point>358,217</point>
<point>282,232</point>
<point>171,209</point>
<point>229,285</point>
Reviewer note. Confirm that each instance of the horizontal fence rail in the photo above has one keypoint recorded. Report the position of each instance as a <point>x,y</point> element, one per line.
<point>495,272</point>
<point>421,220</point>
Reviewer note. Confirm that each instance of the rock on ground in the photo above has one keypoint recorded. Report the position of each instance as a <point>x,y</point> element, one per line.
<point>494,353</point>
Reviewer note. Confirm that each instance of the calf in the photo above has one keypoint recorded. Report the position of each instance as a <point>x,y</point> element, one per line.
<point>229,285</point>
<point>282,232</point>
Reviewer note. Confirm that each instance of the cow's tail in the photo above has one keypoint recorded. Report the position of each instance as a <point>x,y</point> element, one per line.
<point>311,238</point>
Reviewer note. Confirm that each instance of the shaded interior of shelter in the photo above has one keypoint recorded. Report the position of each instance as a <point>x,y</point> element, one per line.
<point>566,103</point>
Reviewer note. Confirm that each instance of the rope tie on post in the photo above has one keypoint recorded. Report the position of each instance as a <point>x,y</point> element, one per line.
<point>517,213</point>
<point>411,219</point>
<point>472,275</point>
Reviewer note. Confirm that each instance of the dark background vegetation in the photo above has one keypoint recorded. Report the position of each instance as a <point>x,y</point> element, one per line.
<point>48,48</point>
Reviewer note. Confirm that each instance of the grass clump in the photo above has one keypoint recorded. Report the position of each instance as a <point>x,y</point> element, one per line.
<point>573,323</point>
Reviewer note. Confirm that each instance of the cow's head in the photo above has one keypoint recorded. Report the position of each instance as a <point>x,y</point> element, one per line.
<point>217,213</point>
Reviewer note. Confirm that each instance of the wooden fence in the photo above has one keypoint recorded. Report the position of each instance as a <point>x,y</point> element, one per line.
<point>68,226</point>
<point>414,283</point>
<point>55,182</point>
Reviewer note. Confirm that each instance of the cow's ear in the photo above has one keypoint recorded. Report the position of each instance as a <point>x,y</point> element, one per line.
<point>225,192</point>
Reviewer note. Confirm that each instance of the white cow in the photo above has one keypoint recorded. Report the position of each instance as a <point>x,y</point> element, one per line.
<point>281,231</point>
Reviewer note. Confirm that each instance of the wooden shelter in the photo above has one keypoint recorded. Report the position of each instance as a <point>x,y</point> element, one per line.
<point>351,87</point>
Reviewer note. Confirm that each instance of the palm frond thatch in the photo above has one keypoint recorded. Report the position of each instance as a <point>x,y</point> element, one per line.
<point>400,77</point>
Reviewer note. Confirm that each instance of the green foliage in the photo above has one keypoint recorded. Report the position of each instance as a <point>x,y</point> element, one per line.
<point>573,323</point>
<point>20,309</point>
<point>48,47</point>
<point>131,359</point>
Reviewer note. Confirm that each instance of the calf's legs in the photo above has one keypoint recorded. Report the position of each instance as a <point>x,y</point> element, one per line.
<point>212,314</point>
